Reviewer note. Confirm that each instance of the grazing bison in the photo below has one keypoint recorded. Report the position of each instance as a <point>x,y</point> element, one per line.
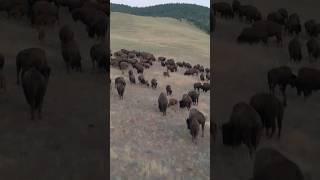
<point>132,78</point>
<point>224,9</point>
<point>166,74</point>
<point>251,13</point>
<point>313,49</point>
<point>169,90</point>
<point>66,34</point>
<point>154,83</point>
<point>172,102</point>
<point>163,103</point>
<point>206,87</point>
<point>197,86</point>
<point>293,25</point>
<point>71,56</point>
<point>99,55</point>
<point>120,84</point>
<point>308,80</point>
<point>270,164</point>
<point>295,50</point>
<point>142,80</point>
<point>195,114</point>
<point>32,57</point>
<point>244,127</point>
<point>269,108</point>
<point>281,76</point>
<point>185,101</point>
<point>194,96</point>
<point>201,77</point>
<point>191,71</point>
<point>34,85</point>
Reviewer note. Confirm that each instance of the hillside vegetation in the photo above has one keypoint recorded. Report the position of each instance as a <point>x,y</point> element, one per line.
<point>161,36</point>
<point>195,14</point>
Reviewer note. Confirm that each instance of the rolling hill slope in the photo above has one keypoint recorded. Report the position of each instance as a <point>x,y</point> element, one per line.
<point>161,36</point>
<point>195,14</point>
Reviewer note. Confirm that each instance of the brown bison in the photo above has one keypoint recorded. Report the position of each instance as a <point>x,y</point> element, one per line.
<point>281,76</point>
<point>206,87</point>
<point>99,55</point>
<point>244,127</point>
<point>194,96</point>
<point>295,50</point>
<point>172,102</point>
<point>32,57</point>
<point>186,101</point>
<point>313,49</point>
<point>195,114</point>
<point>270,109</point>
<point>120,84</point>
<point>308,80</point>
<point>270,164</point>
<point>34,85</point>
<point>224,9</point>
<point>197,86</point>
<point>163,103</point>
<point>71,56</point>
<point>154,83</point>
<point>250,13</point>
<point>293,24</point>
<point>169,90</point>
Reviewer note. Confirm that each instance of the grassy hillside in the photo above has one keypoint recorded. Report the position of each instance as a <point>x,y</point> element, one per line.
<point>161,36</point>
<point>195,14</point>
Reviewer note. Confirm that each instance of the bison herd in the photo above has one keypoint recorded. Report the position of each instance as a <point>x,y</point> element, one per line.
<point>135,62</point>
<point>33,69</point>
<point>264,112</point>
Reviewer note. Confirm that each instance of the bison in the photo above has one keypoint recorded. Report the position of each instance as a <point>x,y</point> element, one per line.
<point>154,83</point>
<point>32,57</point>
<point>99,55</point>
<point>195,114</point>
<point>194,96</point>
<point>293,25</point>
<point>295,50</point>
<point>269,108</point>
<point>313,49</point>
<point>169,90</point>
<point>71,56</point>
<point>206,87</point>
<point>308,80</point>
<point>185,101</point>
<point>34,85</point>
<point>244,127</point>
<point>120,84</point>
<point>172,102</point>
<point>269,163</point>
<point>163,103</point>
<point>197,86</point>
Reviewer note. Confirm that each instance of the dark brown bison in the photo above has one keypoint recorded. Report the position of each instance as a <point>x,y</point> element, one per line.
<point>71,56</point>
<point>236,6</point>
<point>293,25</point>
<point>123,66</point>
<point>120,84</point>
<point>166,74</point>
<point>270,110</point>
<point>195,114</point>
<point>132,78</point>
<point>66,34</point>
<point>270,164</point>
<point>193,126</point>
<point>284,13</point>
<point>32,57</point>
<point>276,17</point>
<point>313,48</point>
<point>139,68</point>
<point>142,80</point>
<point>44,13</point>
<point>270,29</point>
<point>250,13</point>
<point>208,76</point>
<point>244,127</point>
<point>172,102</point>
<point>186,101</point>
<point>98,27</point>
<point>295,50</point>
<point>163,103</point>
<point>201,77</point>
<point>99,55</point>
<point>34,85</point>
<point>161,59</point>
<point>191,71</point>
<point>154,83</point>
<point>308,80</point>
<point>206,87</point>
<point>281,76</point>
<point>194,96</point>
<point>224,9</point>
<point>197,86</point>
<point>169,90</point>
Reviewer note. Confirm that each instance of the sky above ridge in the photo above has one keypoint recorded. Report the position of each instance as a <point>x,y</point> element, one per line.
<point>144,3</point>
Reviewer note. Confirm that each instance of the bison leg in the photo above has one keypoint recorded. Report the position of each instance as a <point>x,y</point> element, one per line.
<point>202,129</point>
